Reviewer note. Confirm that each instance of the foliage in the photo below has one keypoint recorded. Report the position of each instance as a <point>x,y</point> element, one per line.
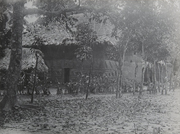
<point>86,39</point>
<point>84,53</point>
<point>99,83</point>
<point>53,6</point>
<point>144,22</point>
<point>112,53</point>
<point>5,29</point>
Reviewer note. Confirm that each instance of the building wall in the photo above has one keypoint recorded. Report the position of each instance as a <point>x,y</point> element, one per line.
<point>58,67</point>
<point>61,58</point>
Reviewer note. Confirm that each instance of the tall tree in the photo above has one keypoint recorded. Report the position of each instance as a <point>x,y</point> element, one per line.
<point>86,39</point>
<point>10,100</point>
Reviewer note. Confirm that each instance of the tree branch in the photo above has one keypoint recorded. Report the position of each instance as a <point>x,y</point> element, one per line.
<point>76,10</point>
<point>32,11</point>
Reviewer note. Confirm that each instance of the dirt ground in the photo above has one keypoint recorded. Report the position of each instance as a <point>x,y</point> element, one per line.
<point>101,114</point>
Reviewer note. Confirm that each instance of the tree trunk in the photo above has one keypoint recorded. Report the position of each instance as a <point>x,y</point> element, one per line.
<point>117,90</point>
<point>159,77</point>
<point>165,79</point>
<point>143,70</point>
<point>120,84</point>
<point>148,75</point>
<point>135,74</point>
<point>155,80</point>
<point>120,75</point>
<point>170,81</point>
<point>87,88</point>
<point>10,100</point>
<point>171,77</point>
<point>118,78</point>
<point>90,78</point>
<point>155,74</point>
<point>134,87</point>
<point>162,80</point>
<point>35,75</point>
<point>163,75</point>
<point>148,79</point>
<point>142,81</point>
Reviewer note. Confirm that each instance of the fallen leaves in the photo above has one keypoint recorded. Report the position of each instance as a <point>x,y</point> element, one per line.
<point>101,114</point>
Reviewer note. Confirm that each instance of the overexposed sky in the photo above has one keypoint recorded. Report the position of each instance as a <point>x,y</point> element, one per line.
<point>29,4</point>
<point>30,18</point>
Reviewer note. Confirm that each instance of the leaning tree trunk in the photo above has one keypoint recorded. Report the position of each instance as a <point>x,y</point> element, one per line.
<point>10,99</point>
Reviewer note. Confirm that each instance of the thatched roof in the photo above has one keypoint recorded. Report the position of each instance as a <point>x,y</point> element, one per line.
<point>56,33</point>
<point>28,60</point>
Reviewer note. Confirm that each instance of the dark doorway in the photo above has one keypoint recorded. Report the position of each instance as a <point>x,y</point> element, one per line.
<point>66,74</point>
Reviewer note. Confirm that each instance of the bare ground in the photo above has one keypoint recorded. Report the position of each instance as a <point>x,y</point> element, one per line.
<point>100,114</point>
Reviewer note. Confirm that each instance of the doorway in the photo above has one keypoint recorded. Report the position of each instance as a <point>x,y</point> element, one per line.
<point>66,75</point>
